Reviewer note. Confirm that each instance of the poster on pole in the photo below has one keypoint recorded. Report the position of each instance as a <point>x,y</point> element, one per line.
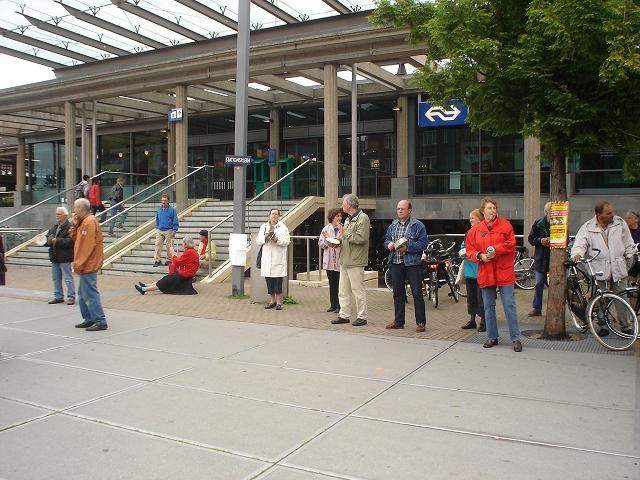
<point>559,214</point>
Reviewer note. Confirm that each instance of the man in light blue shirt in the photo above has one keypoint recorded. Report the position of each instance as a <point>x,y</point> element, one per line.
<point>166,228</point>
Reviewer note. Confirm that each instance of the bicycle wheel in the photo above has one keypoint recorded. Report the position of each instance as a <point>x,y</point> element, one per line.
<point>610,313</point>
<point>525,276</point>
<point>388,282</point>
<point>577,304</point>
<point>433,289</point>
<point>451,280</point>
<point>461,287</point>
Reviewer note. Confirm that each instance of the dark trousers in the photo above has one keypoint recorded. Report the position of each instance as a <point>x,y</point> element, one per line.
<point>400,273</point>
<point>475,305</point>
<point>334,280</point>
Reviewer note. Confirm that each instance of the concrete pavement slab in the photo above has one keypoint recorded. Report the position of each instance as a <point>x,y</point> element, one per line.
<point>17,310</point>
<point>259,429</point>
<point>55,386</point>
<point>284,473</point>
<point>127,361</point>
<point>601,429</point>
<point>12,413</point>
<point>361,448</point>
<point>20,342</point>
<point>334,352</point>
<point>203,337</point>
<point>530,376</point>
<point>334,393</point>
<point>62,448</point>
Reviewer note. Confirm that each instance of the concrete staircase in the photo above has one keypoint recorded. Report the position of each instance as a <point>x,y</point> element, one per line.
<point>139,259</point>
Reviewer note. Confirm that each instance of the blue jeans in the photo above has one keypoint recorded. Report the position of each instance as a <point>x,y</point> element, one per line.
<point>539,291</point>
<point>508,298</point>
<point>89,299</point>
<point>121,219</point>
<point>58,272</point>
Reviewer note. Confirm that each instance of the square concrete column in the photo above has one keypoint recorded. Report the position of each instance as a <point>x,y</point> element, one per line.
<point>532,204</point>
<point>274,141</point>
<point>182,146</point>
<point>330,137</point>
<point>402,151</point>
<point>69,151</point>
<point>20,167</point>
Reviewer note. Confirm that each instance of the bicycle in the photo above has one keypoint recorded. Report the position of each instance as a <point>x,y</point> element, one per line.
<point>523,266</point>
<point>438,271</point>
<point>603,309</point>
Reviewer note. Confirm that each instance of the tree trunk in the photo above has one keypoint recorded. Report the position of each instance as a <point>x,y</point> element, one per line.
<point>554,326</point>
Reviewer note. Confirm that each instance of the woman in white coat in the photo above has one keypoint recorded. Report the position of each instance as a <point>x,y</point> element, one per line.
<point>274,239</point>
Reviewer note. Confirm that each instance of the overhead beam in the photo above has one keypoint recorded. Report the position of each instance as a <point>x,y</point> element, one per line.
<point>198,92</point>
<point>113,114</point>
<point>111,27</point>
<point>157,19</point>
<point>317,75</point>
<point>275,11</point>
<point>65,52</point>
<point>209,12</point>
<point>228,86</point>
<point>29,58</point>
<point>283,85</point>
<point>63,32</point>
<point>134,105</point>
<point>337,6</point>
<point>25,127</point>
<point>30,121</point>
<point>380,75</point>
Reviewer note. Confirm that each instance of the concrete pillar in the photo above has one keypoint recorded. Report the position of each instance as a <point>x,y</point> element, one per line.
<point>69,151</point>
<point>330,137</point>
<point>20,165</point>
<point>88,168</point>
<point>182,144</point>
<point>402,150</point>
<point>274,141</point>
<point>532,204</point>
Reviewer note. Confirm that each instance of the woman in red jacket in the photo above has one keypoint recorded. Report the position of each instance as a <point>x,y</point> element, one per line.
<point>181,272</point>
<point>493,245</point>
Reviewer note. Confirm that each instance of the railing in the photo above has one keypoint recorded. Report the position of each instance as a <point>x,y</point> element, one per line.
<point>285,180</point>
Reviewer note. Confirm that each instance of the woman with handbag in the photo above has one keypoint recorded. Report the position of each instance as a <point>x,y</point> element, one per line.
<point>331,255</point>
<point>475,306</point>
<point>273,239</point>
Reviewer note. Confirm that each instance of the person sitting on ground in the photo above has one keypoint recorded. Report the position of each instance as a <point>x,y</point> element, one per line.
<point>182,270</point>
<point>206,250</point>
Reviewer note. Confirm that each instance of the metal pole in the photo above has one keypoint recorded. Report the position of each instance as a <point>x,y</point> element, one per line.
<point>308,260</point>
<point>94,141</point>
<point>83,143</point>
<point>241,122</point>
<point>354,130</point>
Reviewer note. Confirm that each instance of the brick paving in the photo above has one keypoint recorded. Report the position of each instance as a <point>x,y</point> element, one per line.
<point>214,301</point>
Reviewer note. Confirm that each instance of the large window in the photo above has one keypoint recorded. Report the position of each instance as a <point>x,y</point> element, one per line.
<point>600,171</point>
<point>46,169</point>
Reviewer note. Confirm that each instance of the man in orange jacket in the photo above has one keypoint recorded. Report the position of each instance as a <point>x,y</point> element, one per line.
<point>87,260</point>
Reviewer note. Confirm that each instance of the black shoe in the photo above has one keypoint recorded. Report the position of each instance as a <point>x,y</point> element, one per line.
<point>340,320</point>
<point>139,288</point>
<point>96,327</point>
<point>517,346</point>
<point>491,342</point>
<point>603,332</point>
<point>278,307</point>
<point>167,263</point>
<point>469,325</point>
<point>157,264</point>
<point>331,309</point>
<point>483,326</point>
<point>85,324</point>
<point>270,305</point>
<point>56,300</point>
<point>142,284</point>
<point>359,322</point>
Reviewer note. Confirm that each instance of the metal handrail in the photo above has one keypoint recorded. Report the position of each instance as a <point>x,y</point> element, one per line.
<point>51,197</point>
<point>249,202</point>
<point>152,195</point>
<point>136,194</point>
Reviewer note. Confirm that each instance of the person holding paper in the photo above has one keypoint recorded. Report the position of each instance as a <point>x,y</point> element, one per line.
<point>273,239</point>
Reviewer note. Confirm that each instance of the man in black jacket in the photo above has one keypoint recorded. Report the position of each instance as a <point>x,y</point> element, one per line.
<point>539,238</point>
<point>116,197</point>
<point>61,256</point>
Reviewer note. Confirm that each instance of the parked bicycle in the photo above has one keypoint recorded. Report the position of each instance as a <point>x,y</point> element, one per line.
<point>523,266</point>
<point>438,271</point>
<point>610,317</point>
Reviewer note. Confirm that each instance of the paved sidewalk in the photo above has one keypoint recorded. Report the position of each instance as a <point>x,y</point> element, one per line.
<point>261,396</point>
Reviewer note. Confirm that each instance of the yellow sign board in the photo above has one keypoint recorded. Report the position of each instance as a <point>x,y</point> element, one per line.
<point>559,213</point>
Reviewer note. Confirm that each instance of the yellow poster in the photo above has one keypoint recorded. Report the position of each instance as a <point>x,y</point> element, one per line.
<point>559,213</point>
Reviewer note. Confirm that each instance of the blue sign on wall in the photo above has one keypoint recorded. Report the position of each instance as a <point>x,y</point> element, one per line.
<point>431,115</point>
<point>175,115</point>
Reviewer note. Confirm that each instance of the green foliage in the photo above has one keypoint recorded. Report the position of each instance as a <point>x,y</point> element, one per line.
<point>565,71</point>
<point>238,297</point>
<point>287,300</point>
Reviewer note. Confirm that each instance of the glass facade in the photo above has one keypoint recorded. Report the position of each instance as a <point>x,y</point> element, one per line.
<point>600,171</point>
<point>45,169</point>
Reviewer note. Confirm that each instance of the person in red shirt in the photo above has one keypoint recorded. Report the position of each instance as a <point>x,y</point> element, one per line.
<point>95,199</point>
<point>492,244</point>
<point>182,270</point>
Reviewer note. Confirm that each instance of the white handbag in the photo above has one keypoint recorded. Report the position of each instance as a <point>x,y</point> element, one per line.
<point>460,276</point>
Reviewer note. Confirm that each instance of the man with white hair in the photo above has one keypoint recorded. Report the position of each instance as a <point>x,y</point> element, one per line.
<point>87,260</point>
<point>539,238</point>
<point>61,256</point>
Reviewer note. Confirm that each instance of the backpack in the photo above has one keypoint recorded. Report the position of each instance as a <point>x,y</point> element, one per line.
<point>80,190</point>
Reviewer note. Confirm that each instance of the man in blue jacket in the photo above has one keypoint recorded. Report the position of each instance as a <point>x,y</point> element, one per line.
<point>539,237</point>
<point>166,228</point>
<point>405,263</point>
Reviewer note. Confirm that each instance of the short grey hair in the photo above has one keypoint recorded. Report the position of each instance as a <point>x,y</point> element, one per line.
<point>84,203</point>
<point>64,210</point>
<point>188,242</point>
<point>352,200</point>
<point>547,207</point>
